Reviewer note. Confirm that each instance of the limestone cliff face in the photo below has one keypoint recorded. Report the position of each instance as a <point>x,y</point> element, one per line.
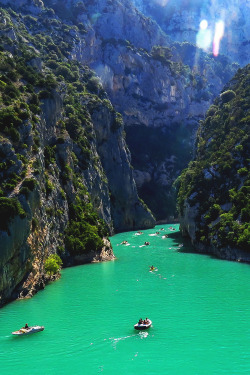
<point>151,88</point>
<point>109,183</point>
<point>127,211</point>
<point>63,158</point>
<point>189,227</point>
<point>181,19</point>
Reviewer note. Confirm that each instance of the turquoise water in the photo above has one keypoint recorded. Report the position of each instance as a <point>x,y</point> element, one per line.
<point>200,308</point>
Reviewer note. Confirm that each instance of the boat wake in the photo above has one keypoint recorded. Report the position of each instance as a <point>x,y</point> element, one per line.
<point>143,335</point>
<point>140,334</point>
<point>158,274</point>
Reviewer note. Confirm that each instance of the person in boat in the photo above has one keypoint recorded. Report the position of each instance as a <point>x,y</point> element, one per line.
<point>140,321</point>
<point>26,326</point>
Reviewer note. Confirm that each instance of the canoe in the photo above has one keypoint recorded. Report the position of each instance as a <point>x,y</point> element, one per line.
<point>143,325</point>
<point>28,331</point>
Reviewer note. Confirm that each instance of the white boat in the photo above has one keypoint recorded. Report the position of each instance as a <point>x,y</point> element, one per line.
<point>28,331</point>
<point>143,326</point>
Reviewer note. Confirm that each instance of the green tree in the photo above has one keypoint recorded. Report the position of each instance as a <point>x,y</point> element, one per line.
<point>53,264</point>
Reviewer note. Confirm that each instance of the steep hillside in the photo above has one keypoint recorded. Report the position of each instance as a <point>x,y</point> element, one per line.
<point>151,83</point>
<point>214,190</point>
<point>65,177</point>
<point>148,83</point>
<point>181,19</point>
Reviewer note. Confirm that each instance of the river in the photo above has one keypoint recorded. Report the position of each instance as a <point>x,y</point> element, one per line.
<point>199,306</point>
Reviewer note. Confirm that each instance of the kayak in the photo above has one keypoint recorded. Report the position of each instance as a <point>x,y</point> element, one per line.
<point>28,331</point>
<point>153,269</point>
<point>143,326</point>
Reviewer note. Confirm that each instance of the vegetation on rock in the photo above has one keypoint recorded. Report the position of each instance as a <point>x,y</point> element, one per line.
<point>35,72</point>
<point>53,264</point>
<point>218,180</point>
<point>9,208</point>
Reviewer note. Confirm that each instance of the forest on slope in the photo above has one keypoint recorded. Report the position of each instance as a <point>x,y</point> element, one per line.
<point>214,191</point>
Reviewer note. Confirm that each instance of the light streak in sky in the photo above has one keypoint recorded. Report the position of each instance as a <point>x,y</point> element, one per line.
<point>163,3</point>
<point>218,35</point>
<point>204,37</point>
<point>203,25</point>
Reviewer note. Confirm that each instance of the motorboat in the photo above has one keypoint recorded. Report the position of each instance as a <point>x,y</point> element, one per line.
<point>144,325</point>
<point>28,331</point>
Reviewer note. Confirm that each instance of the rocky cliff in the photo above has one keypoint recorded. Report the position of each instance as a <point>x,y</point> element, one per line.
<point>181,20</point>
<point>214,190</point>
<point>161,89</point>
<point>65,177</point>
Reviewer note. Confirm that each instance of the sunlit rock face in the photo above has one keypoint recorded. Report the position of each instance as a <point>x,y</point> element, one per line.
<point>149,92</point>
<point>220,26</point>
<point>155,94</point>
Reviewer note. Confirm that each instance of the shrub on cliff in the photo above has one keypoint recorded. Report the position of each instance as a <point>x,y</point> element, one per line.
<point>162,54</point>
<point>228,95</point>
<point>8,117</point>
<point>30,183</point>
<point>9,208</point>
<point>53,264</point>
<point>85,230</point>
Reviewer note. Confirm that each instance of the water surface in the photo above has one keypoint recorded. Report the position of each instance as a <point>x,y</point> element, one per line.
<point>199,306</point>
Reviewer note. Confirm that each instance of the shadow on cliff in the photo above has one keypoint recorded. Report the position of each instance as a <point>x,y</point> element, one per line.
<point>178,240</point>
<point>187,246</point>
